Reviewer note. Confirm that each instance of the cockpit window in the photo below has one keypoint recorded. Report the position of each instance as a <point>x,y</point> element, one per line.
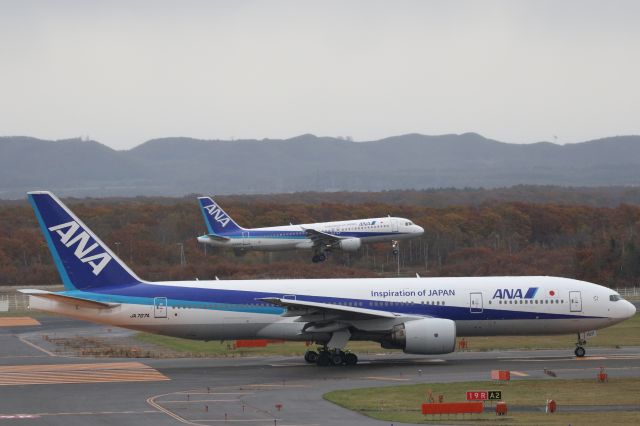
<point>615,297</point>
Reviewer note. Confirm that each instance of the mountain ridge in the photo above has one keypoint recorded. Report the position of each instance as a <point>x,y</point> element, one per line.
<point>181,165</point>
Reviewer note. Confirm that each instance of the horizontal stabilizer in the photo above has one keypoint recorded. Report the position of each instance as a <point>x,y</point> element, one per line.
<point>72,300</point>
<point>218,237</point>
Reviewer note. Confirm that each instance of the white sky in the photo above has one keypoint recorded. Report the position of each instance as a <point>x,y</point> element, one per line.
<point>123,72</point>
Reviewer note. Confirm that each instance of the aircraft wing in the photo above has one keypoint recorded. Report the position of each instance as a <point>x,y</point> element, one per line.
<point>321,238</point>
<point>73,300</point>
<point>301,308</point>
<point>328,318</point>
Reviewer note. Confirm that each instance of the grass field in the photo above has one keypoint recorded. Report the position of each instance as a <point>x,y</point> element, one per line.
<point>402,403</point>
<point>624,334</point>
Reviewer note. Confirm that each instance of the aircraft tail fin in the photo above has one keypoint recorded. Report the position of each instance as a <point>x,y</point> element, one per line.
<point>83,260</point>
<point>218,222</point>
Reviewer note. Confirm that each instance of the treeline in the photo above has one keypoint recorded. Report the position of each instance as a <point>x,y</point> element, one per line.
<point>598,244</point>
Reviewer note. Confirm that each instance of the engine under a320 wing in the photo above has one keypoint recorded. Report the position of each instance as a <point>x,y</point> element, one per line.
<point>428,336</point>
<point>350,244</point>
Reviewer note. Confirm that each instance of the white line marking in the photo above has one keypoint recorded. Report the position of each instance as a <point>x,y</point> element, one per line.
<point>33,345</point>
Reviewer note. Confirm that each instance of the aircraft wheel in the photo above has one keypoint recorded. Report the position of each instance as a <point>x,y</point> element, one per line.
<point>311,357</point>
<point>395,252</point>
<point>350,359</point>
<point>324,359</point>
<point>580,351</point>
<point>322,258</point>
<point>315,259</point>
<point>337,358</point>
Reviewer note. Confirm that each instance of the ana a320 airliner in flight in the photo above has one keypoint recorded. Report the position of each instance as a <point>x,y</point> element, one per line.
<point>417,315</point>
<point>347,235</point>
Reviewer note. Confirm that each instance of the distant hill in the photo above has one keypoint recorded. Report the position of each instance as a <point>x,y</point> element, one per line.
<point>179,166</point>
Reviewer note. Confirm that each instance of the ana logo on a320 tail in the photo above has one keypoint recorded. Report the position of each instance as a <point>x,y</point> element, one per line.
<point>68,237</point>
<point>218,215</point>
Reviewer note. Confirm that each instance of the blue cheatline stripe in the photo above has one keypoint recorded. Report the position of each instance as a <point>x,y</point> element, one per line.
<point>302,236</point>
<point>245,301</point>
<point>531,293</point>
<point>56,256</point>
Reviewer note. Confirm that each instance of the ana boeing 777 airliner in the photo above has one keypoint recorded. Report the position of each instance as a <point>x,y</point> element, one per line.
<point>347,235</point>
<point>417,315</point>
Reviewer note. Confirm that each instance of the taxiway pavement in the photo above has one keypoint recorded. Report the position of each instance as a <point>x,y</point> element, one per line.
<point>243,391</point>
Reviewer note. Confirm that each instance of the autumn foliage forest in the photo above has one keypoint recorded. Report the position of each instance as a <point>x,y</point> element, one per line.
<point>564,233</point>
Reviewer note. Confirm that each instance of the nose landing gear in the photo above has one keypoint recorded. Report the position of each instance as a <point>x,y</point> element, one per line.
<point>580,351</point>
<point>395,247</point>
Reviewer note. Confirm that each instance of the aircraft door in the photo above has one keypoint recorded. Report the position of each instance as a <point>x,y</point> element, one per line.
<point>575,301</point>
<point>394,225</point>
<point>159,307</point>
<point>475,303</point>
<point>245,238</point>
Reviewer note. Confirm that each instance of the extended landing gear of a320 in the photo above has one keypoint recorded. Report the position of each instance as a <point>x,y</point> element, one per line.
<point>580,351</point>
<point>395,246</point>
<point>320,257</point>
<point>325,357</point>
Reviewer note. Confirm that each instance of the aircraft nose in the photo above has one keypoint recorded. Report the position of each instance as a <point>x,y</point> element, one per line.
<point>419,230</point>
<point>630,309</point>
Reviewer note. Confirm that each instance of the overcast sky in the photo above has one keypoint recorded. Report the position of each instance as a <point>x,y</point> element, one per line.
<point>123,72</point>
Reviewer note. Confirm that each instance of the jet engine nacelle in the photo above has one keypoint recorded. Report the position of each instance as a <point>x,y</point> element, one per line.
<point>350,244</point>
<point>428,336</point>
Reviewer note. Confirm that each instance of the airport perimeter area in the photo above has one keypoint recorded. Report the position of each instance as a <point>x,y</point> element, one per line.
<point>44,387</point>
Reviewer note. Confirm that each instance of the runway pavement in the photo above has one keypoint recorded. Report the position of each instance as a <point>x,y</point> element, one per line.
<point>37,388</point>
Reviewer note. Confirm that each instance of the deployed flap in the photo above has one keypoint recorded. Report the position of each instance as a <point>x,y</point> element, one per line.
<point>321,237</point>
<point>73,300</point>
<point>301,307</point>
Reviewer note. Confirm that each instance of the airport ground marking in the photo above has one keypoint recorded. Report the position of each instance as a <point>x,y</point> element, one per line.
<point>236,420</point>
<point>78,373</point>
<point>33,345</point>
<point>18,321</point>
<point>174,401</point>
<point>394,379</point>
<point>71,413</point>
<point>151,402</point>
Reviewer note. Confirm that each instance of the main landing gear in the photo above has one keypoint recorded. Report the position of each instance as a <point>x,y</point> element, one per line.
<point>325,357</point>
<point>320,257</point>
<point>580,351</point>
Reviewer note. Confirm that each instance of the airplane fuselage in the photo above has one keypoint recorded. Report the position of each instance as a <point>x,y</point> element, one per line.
<point>293,237</point>
<point>479,306</point>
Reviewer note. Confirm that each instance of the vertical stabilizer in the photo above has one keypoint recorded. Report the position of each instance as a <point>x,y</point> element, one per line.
<point>83,260</point>
<point>218,222</point>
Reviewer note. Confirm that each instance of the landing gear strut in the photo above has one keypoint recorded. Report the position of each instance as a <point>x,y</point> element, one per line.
<point>325,357</point>
<point>394,247</point>
<point>580,351</point>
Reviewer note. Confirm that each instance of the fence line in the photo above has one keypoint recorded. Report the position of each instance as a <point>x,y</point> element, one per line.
<point>628,291</point>
<point>10,302</point>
